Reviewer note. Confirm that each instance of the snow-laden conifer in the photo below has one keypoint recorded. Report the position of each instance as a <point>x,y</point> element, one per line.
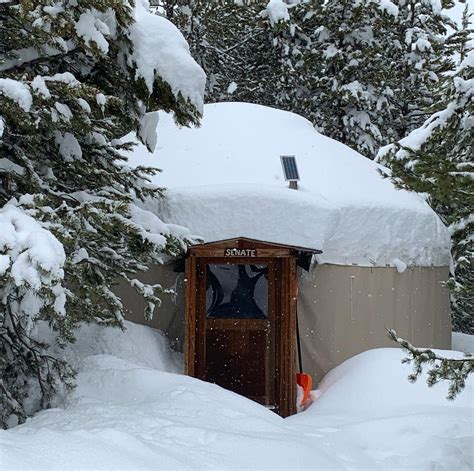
<point>379,64</point>
<point>460,42</point>
<point>252,51</point>
<point>436,159</point>
<point>417,53</point>
<point>363,72</point>
<point>75,77</point>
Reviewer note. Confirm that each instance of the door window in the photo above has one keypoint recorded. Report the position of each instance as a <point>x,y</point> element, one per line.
<point>237,291</point>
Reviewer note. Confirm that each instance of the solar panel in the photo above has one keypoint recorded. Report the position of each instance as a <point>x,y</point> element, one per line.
<point>288,162</point>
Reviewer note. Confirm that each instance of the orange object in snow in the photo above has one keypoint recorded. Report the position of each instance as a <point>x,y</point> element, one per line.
<point>306,382</point>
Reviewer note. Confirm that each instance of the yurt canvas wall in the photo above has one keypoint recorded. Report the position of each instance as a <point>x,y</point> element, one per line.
<point>345,310</point>
<point>342,310</point>
<point>384,250</point>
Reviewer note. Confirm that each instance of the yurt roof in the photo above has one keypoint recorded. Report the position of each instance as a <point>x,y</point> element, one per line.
<point>225,180</point>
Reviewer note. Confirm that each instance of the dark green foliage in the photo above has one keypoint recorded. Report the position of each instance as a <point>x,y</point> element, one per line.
<point>436,160</point>
<point>62,154</point>
<point>32,365</point>
<point>362,74</point>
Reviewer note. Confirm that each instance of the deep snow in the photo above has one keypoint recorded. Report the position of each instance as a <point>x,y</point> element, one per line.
<point>132,411</point>
<point>233,186</point>
<point>463,343</point>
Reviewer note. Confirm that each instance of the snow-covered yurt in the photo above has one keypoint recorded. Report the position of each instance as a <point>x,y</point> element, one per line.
<point>368,256</point>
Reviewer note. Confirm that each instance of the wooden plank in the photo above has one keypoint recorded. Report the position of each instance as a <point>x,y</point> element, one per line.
<point>200,371</point>
<point>207,251</point>
<point>236,360</point>
<point>277,334</point>
<point>270,346</point>
<point>291,337</point>
<point>236,260</point>
<point>238,324</point>
<point>189,315</point>
<point>283,360</point>
<point>245,242</point>
<point>287,338</point>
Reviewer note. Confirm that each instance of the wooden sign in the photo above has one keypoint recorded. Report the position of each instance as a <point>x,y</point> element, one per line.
<point>235,252</point>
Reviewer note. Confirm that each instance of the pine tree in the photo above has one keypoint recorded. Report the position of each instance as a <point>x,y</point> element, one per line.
<point>77,77</point>
<point>252,51</point>
<point>350,98</point>
<point>227,39</point>
<point>416,45</point>
<point>460,41</point>
<point>436,159</point>
<point>379,63</point>
<point>363,72</point>
<point>192,17</point>
<point>291,32</point>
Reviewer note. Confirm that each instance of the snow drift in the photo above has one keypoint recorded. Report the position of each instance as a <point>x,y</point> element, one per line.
<point>225,181</point>
<point>132,411</point>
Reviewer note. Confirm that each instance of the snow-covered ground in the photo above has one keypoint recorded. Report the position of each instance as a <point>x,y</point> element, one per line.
<point>131,410</point>
<point>463,343</point>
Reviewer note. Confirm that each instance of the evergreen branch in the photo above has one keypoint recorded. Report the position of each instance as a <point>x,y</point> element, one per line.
<point>453,370</point>
<point>74,99</point>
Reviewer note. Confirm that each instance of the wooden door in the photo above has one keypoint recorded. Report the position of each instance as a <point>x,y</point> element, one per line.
<point>247,346</point>
<point>236,326</point>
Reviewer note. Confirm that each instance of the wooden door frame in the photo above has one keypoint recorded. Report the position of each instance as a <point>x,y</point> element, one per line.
<point>283,258</point>
<point>202,320</point>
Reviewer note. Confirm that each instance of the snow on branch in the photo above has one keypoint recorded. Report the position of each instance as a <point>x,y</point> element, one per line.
<point>389,7</point>
<point>31,260</point>
<point>16,91</point>
<point>276,11</point>
<point>160,49</point>
<point>454,370</point>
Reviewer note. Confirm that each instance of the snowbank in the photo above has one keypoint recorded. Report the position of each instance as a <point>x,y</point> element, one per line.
<point>368,404</point>
<point>130,412</point>
<point>138,344</point>
<point>225,180</point>
<point>463,342</point>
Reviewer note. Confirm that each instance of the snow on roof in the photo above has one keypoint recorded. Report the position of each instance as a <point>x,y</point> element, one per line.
<point>225,180</point>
